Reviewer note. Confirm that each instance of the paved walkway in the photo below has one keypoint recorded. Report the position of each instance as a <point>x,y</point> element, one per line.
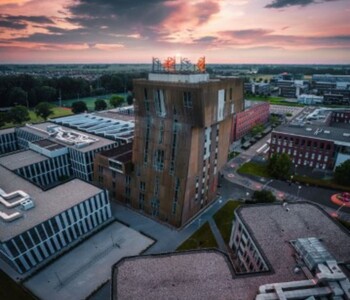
<point>220,241</point>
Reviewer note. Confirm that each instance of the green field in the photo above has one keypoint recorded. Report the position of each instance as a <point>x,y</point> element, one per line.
<point>273,100</point>
<point>252,168</point>
<point>224,217</point>
<point>90,101</point>
<point>57,112</point>
<point>202,238</point>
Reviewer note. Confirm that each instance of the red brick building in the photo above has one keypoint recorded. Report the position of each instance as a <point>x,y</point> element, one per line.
<point>244,121</point>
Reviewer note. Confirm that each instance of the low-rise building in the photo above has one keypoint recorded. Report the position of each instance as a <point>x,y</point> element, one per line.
<point>244,121</point>
<point>282,252</point>
<point>8,140</point>
<point>81,147</point>
<point>36,225</point>
<point>310,99</point>
<point>315,141</point>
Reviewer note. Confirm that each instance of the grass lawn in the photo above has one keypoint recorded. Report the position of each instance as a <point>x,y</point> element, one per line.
<point>327,183</point>
<point>252,168</point>
<point>345,224</point>
<point>274,100</point>
<point>202,238</point>
<point>57,112</point>
<point>11,290</point>
<point>224,217</point>
<point>90,101</point>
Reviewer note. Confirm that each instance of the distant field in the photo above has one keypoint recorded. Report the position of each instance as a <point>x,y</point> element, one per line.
<point>90,101</point>
<point>58,112</point>
<point>274,100</point>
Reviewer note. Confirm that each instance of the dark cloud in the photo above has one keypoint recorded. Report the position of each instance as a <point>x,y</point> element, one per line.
<point>206,39</point>
<point>247,33</point>
<point>123,16</point>
<point>287,3</point>
<point>12,25</point>
<point>205,10</point>
<point>20,22</point>
<point>31,19</point>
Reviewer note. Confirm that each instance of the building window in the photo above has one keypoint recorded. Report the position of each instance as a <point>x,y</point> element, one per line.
<point>155,207</point>
<point>100,169</point>
<point>159,160</point>
<point>159,103</point>
<point>156,187</point>
<point>127,180</point>
<point>141,201</point>
<point>173,148</point>
<point>142,186</point>
<point>127,192</point>
<point>100,179</point>
<point>161,132</point>
<point>147,137</point>
<point>187,99</point>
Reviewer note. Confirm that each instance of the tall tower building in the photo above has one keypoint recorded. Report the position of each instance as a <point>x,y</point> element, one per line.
<point>182,136</point>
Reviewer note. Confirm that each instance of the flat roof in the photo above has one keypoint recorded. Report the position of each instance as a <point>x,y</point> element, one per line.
<point>48,144</point>
<point>7,130</point>
<point>41,130</point>
<point>47,203</point>
<point>335,134</point>
<point>117,153</point>
<point>115,115</point>
<point>21,159</point>
<point>208,274</point>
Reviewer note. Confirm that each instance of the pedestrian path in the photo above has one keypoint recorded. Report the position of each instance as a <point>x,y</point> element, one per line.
<point>220,241</point>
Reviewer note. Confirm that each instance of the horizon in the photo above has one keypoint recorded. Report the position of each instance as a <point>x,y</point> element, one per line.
<point>304,32</point>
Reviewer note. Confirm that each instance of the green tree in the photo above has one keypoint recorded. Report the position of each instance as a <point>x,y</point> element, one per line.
<point>279,166</point>
<point>274,120</point>
<point>2,119</point>
<point>116,101</point>
<point>18,114</point>
<point>46,94</point>
<point>79,107</point>
<point>17,96</point>
<point>263,196</point>
<point>342,173</point>
<point>43,110</point>
<point>130,99</point>
<point>257,129</point>
<point>100,104</point>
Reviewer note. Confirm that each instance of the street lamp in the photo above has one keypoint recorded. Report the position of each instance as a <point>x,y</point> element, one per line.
<point>335,214</point>
<point>266,184</point>
<point>299,188</point>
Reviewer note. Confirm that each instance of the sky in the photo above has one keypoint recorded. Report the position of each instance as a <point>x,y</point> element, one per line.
<point>134,31</point>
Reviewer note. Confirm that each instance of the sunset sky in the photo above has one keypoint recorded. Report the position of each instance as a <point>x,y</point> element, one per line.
<point>132,31</point>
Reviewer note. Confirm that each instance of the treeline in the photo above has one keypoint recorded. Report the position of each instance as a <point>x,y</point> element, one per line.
<point>30,90</point>
<point>305,70</point>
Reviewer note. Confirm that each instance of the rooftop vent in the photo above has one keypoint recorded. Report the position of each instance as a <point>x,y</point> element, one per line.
<point>27,204</point>
<point>327,132</point>
<point>308,129</point>
<point>346,134</point>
